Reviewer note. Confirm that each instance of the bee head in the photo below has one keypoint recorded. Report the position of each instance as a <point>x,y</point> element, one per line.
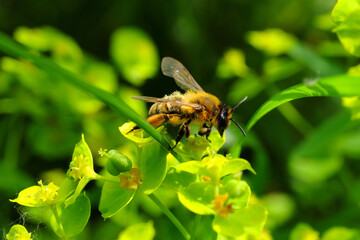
<point>225,116</point>
<point>223,119</point>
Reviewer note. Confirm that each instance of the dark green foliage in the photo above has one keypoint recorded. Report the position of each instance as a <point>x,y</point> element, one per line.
<point>74,66</point>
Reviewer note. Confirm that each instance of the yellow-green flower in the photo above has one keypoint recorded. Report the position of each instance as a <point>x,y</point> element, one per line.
<point>222,209</point>
<point>18,232</point>
<point>38,196</point>
<point>80,168</point>
<point>212,166</point>
<point>132,180</point>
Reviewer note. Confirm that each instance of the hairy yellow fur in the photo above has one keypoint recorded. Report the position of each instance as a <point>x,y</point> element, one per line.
<point>176,113</point>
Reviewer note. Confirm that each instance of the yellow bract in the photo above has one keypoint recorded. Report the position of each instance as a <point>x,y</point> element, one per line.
<point>136,135</point>
<point>213,166</point>
<point>38,196</point>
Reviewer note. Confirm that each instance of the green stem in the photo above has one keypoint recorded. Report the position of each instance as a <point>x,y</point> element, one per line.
<point>196,224</point>
<point>12,143</point>
<point>214,236</point>
<point>10,47</point>
<point>57,218</point>
<point>109,179</point>
<point>171,216</point>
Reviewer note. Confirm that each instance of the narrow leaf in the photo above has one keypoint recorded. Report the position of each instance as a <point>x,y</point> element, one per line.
<point>335,86</point>
<point>14,49</point>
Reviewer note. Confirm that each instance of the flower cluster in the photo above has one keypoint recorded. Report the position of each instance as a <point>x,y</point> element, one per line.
<point>38,196</point>
<point>131,180</point>
<point>221,207</point>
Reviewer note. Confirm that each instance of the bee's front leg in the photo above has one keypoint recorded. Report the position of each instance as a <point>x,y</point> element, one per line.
<point>183,130</point>
<point>205,130</point>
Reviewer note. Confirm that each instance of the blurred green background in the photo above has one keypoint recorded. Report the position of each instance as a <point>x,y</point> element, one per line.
<point>306,154</point>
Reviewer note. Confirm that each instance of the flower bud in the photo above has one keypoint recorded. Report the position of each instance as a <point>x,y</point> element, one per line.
<point>235,188</point>
<point>117,163</point>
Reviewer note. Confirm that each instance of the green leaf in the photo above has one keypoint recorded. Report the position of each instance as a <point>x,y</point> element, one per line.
<point>197,197</point>
<point>73,217</point>
<point>143,231</point>
<point>341,233</point>
<point>175,179</point>
<point>349,32</point>
<point>113,199</point>
<point>80,186</point>
<point>304,231</point>
<point>18,232</point>
<point>247,220</point>
<point>152,167</point>
<point>67,187</point>
<point>190,167</point>
<point>335,86</point>
<point>135,54</point>
<point>343,8</point>
<point>236,165</point>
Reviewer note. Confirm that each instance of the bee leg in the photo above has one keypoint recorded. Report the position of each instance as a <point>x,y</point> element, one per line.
<point>158,119</point>
<point>205,130</point>
<point>187,132</point>
<point>183,130</point>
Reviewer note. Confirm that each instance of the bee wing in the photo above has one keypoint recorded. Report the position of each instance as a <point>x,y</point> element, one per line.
<point>162,100</point>
<point>173,68</point>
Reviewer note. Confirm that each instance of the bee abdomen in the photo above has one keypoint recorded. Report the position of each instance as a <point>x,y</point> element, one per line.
<point>168,108</point>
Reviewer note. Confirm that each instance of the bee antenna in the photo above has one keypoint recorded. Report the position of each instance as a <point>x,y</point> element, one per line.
<point>242,130</point>
<point>239,104</point>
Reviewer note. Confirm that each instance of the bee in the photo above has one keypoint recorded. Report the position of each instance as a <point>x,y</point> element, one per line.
<point>195,105</point>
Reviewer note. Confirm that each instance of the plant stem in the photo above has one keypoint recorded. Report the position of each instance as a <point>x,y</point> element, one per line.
<point>196,224</point>
<point>61,228</point>
<point>10,47</point>
<point>12,143</point>
<point>109,179</point>
<point>171,216</point>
